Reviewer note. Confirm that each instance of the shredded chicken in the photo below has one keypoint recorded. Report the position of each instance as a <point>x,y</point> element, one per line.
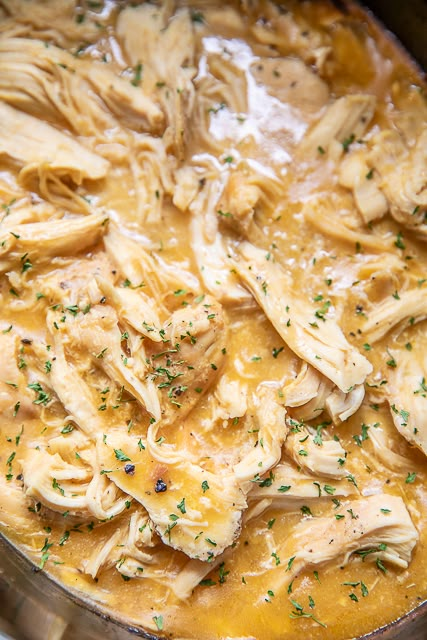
<point>407,395</point>
<point>97,332</point>
<point>311,393</point>
<point>133,541</point>
<point>290,487</point>
<point>212,302</point>
<point>343,122</point>
<point>153,41</point>
<point>40,147</point>
<point>323,346</point>
<point>392,312</point>
<point>43,240</point>
<point>208,520</point>
<point>190,357</point>
<point>321,455</point>
<point>381,529</point>
<point>355,174</point>
<point>271,433</point>
<point>403,177</point>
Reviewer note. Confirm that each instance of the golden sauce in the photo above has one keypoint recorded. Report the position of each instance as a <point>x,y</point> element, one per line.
<point>262,126</point>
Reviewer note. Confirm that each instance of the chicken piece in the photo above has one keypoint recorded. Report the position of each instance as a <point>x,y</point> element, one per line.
<point>103,498</point>
<point>166,51</point>
<point>209,250</point>
<point>50,82</point>
<point>389,313</point>
<point>125,100</point>
<point>383,439</point>
<point>193,572</point>
<point>406,392</point>
<point>231,397</point>
<point>148,270</point>
<point>43,240</point>
<point>130,257</point>
<point>192,509</point>
<point>134,307</point>
<point>67,445</point>
<point>311,393</point>
<point>36,145</point>
<point>190,357</point>
<point>321,456</point>
<point>379,529</point>
<point>344,121</point>
<point>341,406</point>
<point>322,216</point>
<point>289,487</point>
<point>187,186</point>
<point>55,483</point>
<point>53,21</point>
<point>323,346</point>
<point>97,332</point>
<point>71,390</point>
<point>272,431</point>
<point>46,82</point>
<point>238,201</point>
<point>289,34</point>
<point>403,177</point>
<point>355,174</point>
<point>307,387</point>
<point>127,542</point>
<point>292,82</point>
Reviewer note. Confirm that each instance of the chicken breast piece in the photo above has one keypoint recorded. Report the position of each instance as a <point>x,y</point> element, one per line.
<point>190,357</point>
<point>354,173</point>
<point>41,241</point>
<point>55,483</point>
<point>72,391</point>
<point>311,393</point>
<point>288,486</point>
<point>323,346</point>
<point>166,49</point>
<point>321,456</point>
<point>389,313</point>
<point>131,541</point>
<point>34,144</point>
<point>97,333</point>
<point>272,431</point>
<point>379,529</point>
<point>403,177</point>
<point>344,121</point>
<point>192,509</point>
<point>406,391</point>
<point>292,82</point>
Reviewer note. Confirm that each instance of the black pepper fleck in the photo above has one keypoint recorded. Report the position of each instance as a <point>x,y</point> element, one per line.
<point>160,486</point>
<point>130,469</point>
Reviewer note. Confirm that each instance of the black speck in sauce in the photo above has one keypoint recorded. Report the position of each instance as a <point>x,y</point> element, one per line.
<point>160,486</point>
<point>130,469</point>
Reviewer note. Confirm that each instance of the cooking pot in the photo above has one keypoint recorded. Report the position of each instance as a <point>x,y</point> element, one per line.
<point>34,606</point>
